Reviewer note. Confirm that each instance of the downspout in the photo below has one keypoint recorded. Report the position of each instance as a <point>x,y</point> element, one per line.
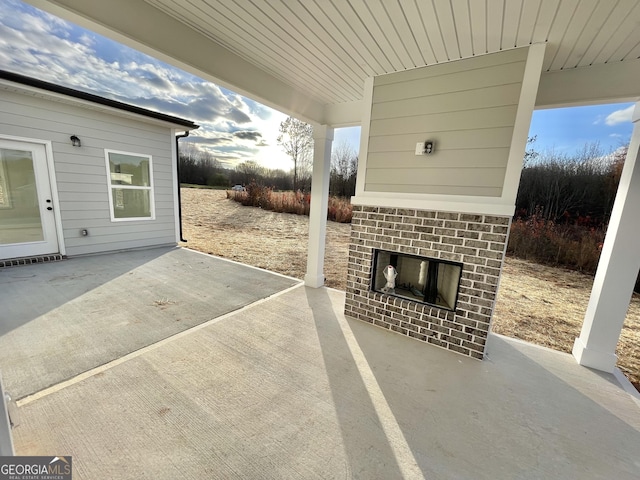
<point>178,137</point>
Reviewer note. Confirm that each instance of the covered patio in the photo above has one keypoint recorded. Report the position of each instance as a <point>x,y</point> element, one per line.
<point>286,386</point>
<point>464,77</point>
<point>282,384</point>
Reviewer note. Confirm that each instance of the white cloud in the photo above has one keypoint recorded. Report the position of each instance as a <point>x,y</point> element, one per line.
<point>620,116</point>
<point>37,44</point>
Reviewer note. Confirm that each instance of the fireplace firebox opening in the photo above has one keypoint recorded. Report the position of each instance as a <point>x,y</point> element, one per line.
<point>420,279</point>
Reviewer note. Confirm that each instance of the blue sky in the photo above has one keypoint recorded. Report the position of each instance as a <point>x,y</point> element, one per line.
<point>234,128</point>
<point>567,130</point>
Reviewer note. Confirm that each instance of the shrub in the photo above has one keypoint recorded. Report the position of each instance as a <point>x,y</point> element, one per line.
<point>574,245</point>
<point>340,210</point>
<point>298,203</point>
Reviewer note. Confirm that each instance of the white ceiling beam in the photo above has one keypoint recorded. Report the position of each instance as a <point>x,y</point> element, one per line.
<point>348,114</point>
<point>137,24</point>
<point>596,84</point>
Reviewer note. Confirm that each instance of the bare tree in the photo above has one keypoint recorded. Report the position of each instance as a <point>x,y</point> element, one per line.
<point>250,170</point>
<point>296,139</point>
<point>344,166</point>
<point>278,179</point>
<point>531,154</point>
<point>199,166</point>
<point>557,186</point>
<point>208,158</point>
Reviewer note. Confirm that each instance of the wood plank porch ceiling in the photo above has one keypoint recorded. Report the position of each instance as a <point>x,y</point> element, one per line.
<point>328,47</point>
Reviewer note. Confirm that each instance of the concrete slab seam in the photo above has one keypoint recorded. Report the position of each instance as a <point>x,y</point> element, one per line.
<point>118,361</point>
<point>617,373</point>
<point>627,385</point>
<point>528,344</point>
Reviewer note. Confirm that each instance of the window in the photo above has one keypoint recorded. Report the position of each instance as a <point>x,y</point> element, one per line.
<point>420,279</point>
<point>130,186</point>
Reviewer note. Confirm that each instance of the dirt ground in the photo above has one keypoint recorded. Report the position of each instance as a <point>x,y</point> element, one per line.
<point>269,240</point>
<point>536,303</point>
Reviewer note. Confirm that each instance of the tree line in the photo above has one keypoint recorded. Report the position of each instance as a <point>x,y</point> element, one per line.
<point>564,188</point>
<point>564,205</point>
<point>200,167</point>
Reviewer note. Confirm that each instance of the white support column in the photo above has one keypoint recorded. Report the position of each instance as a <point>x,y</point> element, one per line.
<point>322,140</point>
<point>617,270</point>
<point>6,441</point>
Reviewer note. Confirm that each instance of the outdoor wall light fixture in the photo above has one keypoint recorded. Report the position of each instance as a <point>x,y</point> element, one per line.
<point>428,147</point>
<point>75,141</point>
<point>425,148</point>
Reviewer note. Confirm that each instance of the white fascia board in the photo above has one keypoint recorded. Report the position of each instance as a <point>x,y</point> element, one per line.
<point>365,111</point>
<point>173,42</point>
<point>635,116</point>
<point>526,103</point>
<point>442,203</point>
<point>596,84</point>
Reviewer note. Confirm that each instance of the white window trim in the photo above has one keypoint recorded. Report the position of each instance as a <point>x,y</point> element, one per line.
<point>126,187</point>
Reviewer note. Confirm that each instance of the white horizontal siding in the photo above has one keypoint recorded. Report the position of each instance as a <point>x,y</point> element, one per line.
<point>78,168</point>
<point>81,188</point>
<point>453,82</point>
<point>161,183</point>
<point>467,108</point>
<point>438,190</point>
<point>73,158</point>
<point>448,177</point>
<point>86,205</point>
<point>109,244</point>
<point>120,231</point>
<point>95,134</point>
<point>457,159</point>
<point>457,120</point>
<point>472,99</point>
<point>39,109</point>
<point>73,178</point>
<point>81,172</point>
<point>499,137</point>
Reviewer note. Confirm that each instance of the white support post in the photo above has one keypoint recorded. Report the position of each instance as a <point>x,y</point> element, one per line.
<point>6,441</point>
<point>322,140</point>
<point>617,269</point>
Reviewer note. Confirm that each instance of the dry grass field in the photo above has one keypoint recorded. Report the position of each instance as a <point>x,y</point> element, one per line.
<point>536,303</point>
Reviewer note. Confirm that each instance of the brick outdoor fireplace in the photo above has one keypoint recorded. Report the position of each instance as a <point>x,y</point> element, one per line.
<point>440,161</point>
<point>468,248</point>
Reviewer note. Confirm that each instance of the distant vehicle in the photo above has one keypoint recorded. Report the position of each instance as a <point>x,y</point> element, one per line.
<point>238,188</point>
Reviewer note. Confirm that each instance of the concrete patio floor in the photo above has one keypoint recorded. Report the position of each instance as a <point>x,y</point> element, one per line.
<point>61,319</point>
<point>287,387</point>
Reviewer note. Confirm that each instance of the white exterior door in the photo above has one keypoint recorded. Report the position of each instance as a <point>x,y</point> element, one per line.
<point>27,219</point>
